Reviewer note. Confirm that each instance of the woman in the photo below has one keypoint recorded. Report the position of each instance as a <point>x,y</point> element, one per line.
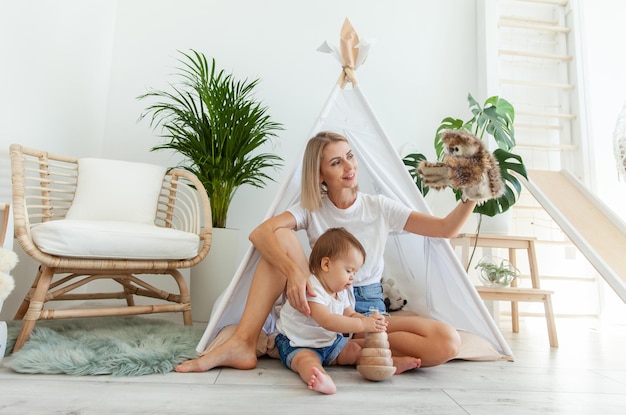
<point>330,165</point>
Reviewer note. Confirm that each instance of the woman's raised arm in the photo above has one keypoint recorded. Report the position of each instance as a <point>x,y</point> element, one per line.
<point>448,227</point>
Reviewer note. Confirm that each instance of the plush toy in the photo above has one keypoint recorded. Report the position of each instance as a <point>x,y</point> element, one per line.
<point>394,300</point>
<point>8,260</point>
<point>467,165</point>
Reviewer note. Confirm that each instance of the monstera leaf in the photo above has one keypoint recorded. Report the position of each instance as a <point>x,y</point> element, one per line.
<point>493,119</point>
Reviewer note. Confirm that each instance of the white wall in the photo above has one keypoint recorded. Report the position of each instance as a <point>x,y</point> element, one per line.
<point>605,76</point>
<point>418,71</point>
<point>71,70</point>
<point>54,74</point>
<point>55,60</point>
<point>77,67</point>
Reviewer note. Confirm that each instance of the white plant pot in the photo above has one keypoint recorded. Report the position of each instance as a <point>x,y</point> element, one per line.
<point>211,276</point>
<point>496,225</point>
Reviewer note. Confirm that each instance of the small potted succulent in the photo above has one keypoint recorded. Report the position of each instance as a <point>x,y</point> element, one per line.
<point>496,272</point>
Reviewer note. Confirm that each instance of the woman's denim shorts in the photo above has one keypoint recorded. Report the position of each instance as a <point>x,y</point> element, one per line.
<point>369,298</point>
<point>326,354</point>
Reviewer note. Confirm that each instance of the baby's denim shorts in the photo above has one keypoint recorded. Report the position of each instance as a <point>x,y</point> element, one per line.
<point>369,298</point>
<point>326,354</point>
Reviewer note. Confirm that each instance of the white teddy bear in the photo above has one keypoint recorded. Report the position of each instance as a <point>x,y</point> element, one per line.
<point>394,300</point>
<point>8,261</point>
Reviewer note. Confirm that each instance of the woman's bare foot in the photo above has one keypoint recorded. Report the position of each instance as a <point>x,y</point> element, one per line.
<point>231,353</point>
<point>405,363</point>
<point>321,382</point>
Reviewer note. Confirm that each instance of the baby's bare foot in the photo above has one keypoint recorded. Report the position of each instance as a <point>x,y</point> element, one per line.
<point>321,382</point>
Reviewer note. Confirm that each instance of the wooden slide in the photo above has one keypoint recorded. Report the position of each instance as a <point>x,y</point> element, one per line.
<point>597,232</point>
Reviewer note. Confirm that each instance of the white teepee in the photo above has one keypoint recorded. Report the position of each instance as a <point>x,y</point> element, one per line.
<point>426,269</point>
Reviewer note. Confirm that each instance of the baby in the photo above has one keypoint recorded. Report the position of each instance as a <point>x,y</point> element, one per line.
<point>307,344</point>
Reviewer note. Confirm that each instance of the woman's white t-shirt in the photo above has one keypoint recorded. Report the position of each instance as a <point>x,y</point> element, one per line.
<point>369,219</point>
<point>304,331</point>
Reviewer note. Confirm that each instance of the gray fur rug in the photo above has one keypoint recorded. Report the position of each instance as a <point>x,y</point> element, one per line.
<point>118,346</point>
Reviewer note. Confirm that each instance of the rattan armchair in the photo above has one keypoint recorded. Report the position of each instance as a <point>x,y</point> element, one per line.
<point>44,190</point>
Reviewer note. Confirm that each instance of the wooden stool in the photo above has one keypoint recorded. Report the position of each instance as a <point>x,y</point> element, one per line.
<point>513,293</point>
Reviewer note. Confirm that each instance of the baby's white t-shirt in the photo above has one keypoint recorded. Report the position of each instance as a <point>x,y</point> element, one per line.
<point>304,331</point>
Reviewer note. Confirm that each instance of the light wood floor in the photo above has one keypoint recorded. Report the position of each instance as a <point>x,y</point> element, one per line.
<point>585,375</point>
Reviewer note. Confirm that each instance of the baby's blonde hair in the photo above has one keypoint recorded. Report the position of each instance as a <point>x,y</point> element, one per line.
<point>332,244</point>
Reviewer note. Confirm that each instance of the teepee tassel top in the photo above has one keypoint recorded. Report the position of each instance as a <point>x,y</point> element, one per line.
<point>351,53</point>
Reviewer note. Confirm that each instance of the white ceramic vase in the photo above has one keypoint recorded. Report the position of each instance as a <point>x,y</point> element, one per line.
<point>211,276</point>
<point>497,225</point>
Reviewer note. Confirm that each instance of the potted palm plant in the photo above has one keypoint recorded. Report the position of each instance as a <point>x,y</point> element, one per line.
<point>493,119</point>
<point>214,121</point>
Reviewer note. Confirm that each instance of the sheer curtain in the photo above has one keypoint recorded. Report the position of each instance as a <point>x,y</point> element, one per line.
<point>619,137</point>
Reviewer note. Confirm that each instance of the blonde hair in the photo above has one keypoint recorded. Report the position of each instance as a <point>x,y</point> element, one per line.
<point>312,188</point>
<point>332,244</point>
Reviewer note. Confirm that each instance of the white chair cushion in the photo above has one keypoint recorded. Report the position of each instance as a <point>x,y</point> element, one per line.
<point>113,239</point>
<point>116,190</point>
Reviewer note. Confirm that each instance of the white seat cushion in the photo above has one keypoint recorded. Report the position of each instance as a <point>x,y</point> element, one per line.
<point>113,239</point>
<point>116,190</point>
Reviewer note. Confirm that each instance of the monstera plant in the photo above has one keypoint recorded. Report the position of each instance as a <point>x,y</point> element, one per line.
<point>493,119</point>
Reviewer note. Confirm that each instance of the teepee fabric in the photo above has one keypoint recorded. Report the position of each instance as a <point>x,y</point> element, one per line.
<point>425,269</point>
